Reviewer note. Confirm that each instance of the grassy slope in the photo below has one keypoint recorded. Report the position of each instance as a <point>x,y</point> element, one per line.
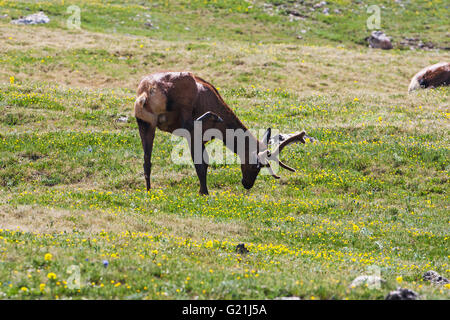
<point>372,192</point>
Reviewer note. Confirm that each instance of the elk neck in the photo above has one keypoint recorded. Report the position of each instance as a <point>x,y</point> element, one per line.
<point>238,130</point>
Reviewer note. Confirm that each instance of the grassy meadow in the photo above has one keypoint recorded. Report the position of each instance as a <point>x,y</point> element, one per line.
<point>373,191</point>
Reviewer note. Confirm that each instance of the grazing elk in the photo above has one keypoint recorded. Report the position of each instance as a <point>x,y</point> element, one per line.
<point>431,77</point>
<point>176,100</point>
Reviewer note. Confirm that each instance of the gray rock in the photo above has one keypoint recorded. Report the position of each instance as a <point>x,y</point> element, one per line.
<point>435,278</point>
<point>150,24</point>
<point>122,119</point>
<point>288,298</point>
<point>399,2</point>
<point>35,18</point>
<point>369,280</point>
<point>415,43</point>
<point>294,14</point>
<point>379,40</point>
<point>320,4</point>
<point>402,294</point>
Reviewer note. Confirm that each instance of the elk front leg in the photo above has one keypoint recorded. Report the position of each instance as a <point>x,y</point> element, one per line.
<point>147,133</point>
<point>201,159</point>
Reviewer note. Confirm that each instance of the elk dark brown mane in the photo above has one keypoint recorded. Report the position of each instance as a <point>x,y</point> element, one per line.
<point>174,100</point>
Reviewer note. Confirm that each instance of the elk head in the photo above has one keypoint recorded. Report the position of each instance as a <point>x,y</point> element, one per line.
<point>260,158</point>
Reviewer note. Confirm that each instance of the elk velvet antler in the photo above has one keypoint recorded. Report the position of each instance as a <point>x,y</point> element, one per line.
<point>175,100</point>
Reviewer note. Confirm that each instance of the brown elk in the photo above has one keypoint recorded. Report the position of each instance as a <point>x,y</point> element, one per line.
<point>431,77</point>
<point>175,100</point>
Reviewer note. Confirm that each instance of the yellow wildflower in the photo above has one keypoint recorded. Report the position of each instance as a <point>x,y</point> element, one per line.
<point>51,276</point>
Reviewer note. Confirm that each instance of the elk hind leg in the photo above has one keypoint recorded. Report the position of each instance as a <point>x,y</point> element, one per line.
<point>147,133</point>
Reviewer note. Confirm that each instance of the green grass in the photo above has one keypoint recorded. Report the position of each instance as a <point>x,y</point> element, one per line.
<point>372,191</point>
<point>241,20</point>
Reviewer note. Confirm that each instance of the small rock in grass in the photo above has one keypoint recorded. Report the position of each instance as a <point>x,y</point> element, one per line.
<point>320,4</point>
<point>288,298</point>
<point>402,294</point>
<point>369,280</point>
<point>35,18</point>
<point>435,278</point>
<point>379,40</point>
<point>241,249</point>
<point>122,119</point>
<point>295,14</point>
<point>148,24</point>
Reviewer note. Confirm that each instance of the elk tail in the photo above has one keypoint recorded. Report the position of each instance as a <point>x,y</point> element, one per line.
<point>141,113</point>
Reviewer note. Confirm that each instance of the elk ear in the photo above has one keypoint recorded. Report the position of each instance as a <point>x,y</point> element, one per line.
<point>266,136</point>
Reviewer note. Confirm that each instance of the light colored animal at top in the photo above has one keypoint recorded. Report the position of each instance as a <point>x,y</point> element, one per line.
<point>431,77</point>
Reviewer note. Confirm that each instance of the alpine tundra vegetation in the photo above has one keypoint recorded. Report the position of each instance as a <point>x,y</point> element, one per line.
<point>369,197</point>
